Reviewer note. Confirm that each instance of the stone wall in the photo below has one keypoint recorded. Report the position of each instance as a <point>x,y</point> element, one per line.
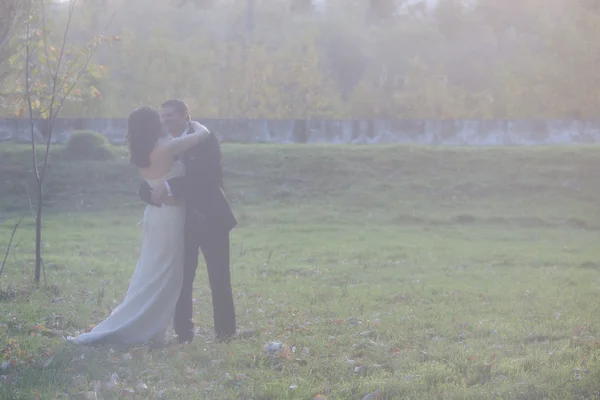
<point>456,132</point>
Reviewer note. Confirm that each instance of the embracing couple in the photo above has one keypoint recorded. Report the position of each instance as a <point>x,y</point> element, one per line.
<point>187,211</point>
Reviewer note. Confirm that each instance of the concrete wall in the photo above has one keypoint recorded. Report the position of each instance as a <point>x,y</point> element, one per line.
<point>458,132</point>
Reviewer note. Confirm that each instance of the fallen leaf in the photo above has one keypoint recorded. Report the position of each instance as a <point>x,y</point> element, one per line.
<point>320,397</point>
<point>376,323</point>
<point>401,297</point>
<point>127,393</point>
<point>173,350</point>
<point>578,330</point>
<point>285,352</point>
<point>139,352</point>
<point>50,333</point>
<point>115,357</point>
<point>592,343</point>
<point>376,395</point>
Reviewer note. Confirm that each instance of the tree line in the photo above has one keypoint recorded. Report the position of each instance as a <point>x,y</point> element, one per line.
<point>329,59</point>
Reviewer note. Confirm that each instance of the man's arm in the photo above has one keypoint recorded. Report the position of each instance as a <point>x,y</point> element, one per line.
<point>145,193</point>
<point>179,184</point>
<point>176,186</point>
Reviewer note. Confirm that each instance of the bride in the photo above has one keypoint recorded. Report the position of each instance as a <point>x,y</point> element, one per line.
<point>149,305</point>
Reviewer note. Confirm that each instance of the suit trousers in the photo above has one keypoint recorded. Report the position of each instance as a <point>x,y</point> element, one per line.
<point>215,249</point>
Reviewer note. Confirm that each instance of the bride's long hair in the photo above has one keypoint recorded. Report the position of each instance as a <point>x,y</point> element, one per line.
<point>143,131</point>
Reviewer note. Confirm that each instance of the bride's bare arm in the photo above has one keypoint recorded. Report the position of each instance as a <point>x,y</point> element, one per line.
<point>181,144</point>
<point>171,148</point>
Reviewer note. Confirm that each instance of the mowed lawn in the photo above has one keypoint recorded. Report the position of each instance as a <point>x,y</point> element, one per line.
<point>398,271</point>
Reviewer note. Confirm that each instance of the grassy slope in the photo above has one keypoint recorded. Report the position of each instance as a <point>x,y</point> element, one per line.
<point>479,266</point>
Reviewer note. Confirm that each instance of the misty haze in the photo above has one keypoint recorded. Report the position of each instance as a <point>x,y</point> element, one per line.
<point>299,199</point>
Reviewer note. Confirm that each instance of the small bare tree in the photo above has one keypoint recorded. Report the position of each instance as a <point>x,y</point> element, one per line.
<point>52,73</point>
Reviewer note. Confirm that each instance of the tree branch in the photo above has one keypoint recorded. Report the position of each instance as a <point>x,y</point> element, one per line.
<point>9,28</point>
<point>55,77</point>
<point>10,243</point>
<point>28,94</point>
<point>29,198</point>
<point>75,81</point>
<point>46,41</point>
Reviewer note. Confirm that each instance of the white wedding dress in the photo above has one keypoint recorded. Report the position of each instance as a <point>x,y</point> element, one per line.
<point>149,305</point>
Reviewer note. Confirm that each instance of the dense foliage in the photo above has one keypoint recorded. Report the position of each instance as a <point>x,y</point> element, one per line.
<point>343,58</point>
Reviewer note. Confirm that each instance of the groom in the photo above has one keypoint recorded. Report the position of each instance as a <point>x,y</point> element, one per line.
<point>209,220</point>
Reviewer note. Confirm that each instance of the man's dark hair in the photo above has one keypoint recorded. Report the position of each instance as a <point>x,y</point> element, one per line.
<point>179,106</point>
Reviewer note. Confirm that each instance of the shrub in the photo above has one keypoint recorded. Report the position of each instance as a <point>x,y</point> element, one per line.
<point>87,145</point>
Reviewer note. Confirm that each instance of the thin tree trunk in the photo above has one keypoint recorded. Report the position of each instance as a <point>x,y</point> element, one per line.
<point>38,235</point>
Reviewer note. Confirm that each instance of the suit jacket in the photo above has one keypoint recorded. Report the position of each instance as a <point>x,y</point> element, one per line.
<point>201,187</point>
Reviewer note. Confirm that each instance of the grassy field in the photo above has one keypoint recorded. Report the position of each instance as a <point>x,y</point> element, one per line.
<point>417,272</point>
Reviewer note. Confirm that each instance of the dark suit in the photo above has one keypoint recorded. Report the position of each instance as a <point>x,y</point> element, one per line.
<point>209,220</point>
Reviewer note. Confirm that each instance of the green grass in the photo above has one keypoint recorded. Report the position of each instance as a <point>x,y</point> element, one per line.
<point>421,272</point>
